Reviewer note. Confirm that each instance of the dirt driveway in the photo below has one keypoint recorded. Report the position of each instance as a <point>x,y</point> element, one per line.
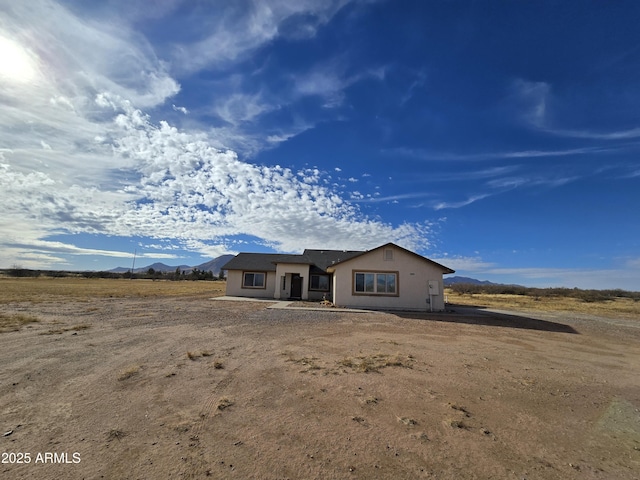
<point>175,389</point>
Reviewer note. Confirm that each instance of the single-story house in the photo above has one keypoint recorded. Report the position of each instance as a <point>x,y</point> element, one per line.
<point>387,277</point>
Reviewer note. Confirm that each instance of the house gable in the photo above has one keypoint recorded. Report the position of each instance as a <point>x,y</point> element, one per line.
<point>388,277</point>
<point>392,247</point>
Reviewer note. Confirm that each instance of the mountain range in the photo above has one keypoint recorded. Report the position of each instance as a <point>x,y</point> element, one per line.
<point>212,266</point>
<point>470,281</point>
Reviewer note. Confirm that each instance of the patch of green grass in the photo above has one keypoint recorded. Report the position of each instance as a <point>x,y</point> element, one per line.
<point>14,322</point>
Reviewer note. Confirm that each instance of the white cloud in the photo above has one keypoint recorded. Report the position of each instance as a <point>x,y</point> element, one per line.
<point>240,28</point>
<point>464,264</point>
<point>79,155</point>
<point>633,263</point>
<point>180,109</point>
<point>191,191</point>
<point>462,203</point>
<point>589,134</point>
<point>598,279</point>
<point>533,98</point>
<point>524,154</point>
<point>239,108</point>
<point>627,277</point>
<point>330,78</point>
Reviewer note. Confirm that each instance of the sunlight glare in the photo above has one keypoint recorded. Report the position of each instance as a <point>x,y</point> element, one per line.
<point>16,64</point>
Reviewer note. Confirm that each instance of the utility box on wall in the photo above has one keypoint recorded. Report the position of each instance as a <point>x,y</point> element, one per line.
<point>434,287</point>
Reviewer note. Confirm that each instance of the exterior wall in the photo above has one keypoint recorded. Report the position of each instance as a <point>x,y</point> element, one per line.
<point>318,295</point>
<point>412,286</point>
<point>235,288</point>
<point>286,270</point>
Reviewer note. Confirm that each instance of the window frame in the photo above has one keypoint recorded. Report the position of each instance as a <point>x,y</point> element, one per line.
<point>254,286</point>
<point>374,274</point>
<point>311,288</point>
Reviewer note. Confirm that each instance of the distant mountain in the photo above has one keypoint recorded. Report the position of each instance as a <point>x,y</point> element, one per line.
<point>212,266</point>
<point>158,267</point>
<point>471,281</point>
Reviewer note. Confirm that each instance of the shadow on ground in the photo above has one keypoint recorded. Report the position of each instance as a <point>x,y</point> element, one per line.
<point>475,315</point>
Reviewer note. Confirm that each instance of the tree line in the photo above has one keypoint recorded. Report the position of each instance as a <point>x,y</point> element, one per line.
<point>150,274</point>
<point>584,295</point>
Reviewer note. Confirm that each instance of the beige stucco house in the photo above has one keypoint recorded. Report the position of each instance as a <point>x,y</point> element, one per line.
<point>387,277</point>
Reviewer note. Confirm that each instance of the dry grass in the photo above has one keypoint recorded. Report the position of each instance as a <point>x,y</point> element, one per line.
<point>218,365</point>
<point>203,353</point>
<point>192,356</point>
<point>129,372</point>
<point>59,331</point>
<point>44,289</point>
<point>224,402</point>
<point>115,434</point>
<point>309,363</point>
<point>617,308</point>
<point>13,323</point>
<point>373,363</point>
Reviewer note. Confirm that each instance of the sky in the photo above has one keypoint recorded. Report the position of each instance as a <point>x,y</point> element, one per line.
<point>499,138</point>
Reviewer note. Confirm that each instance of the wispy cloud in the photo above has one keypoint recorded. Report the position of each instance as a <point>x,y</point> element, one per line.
<point>459,204</point>
<point>465,264</point>
<point>423,154</point>
<point>330,78</point>
<point>589,134</point>
<point>532,100</point>
<point>240,28</point>
<point>394,198</point>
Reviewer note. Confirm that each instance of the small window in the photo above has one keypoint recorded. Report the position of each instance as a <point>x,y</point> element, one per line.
<point>388,254</point>
<point>253,280</point>
<point>319,282</point>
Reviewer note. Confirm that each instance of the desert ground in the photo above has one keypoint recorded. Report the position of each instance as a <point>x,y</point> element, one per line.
<point>119,379</point>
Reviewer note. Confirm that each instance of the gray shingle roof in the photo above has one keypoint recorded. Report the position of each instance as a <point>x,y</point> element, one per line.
<point>319,260</point>
<point>323,259</point>
<point>266,262</point>
<point>261,262</point>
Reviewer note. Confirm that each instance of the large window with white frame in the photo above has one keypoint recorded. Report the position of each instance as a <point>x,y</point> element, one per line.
<point>375,283</point>
<point>254,280</point>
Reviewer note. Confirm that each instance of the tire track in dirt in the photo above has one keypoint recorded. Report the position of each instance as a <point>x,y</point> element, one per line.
<point>212,405</point>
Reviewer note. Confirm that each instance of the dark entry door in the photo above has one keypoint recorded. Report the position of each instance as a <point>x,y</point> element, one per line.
<point>296,286</point>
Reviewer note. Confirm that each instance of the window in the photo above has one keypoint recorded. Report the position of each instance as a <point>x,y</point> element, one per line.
<point>388,254</point>
<point>319,282</point>
<point>374,283</point>
<point>253,280</point>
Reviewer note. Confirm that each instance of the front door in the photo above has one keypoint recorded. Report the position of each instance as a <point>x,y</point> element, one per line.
<point>296,286</point>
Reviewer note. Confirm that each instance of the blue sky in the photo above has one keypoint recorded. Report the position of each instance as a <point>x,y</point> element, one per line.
<point>500,138</point>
